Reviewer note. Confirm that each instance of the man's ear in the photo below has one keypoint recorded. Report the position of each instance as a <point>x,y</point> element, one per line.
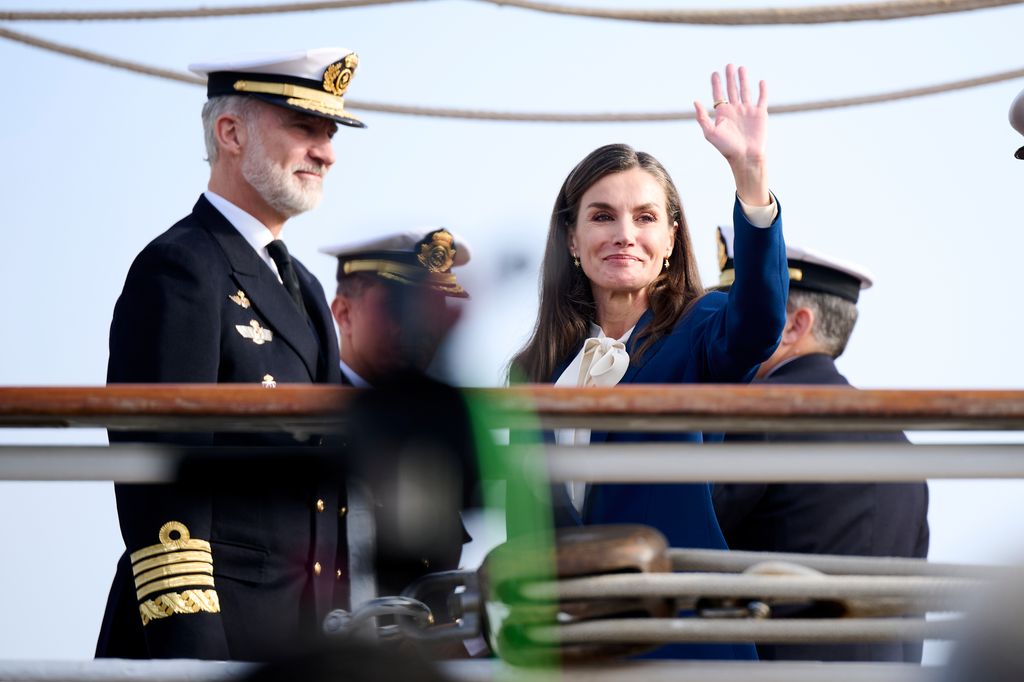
<point>341,310</point>
<point>230,133</point>
<point>799,324</point>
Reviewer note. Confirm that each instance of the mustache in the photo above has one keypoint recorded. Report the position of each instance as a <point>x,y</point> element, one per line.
<point>318,168</point>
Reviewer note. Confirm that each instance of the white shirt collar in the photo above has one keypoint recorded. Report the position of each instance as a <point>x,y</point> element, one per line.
<point>352,377</point>
<point>252,230</point>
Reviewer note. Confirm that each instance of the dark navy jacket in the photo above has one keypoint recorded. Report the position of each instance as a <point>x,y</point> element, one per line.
<point>864,519</point>
<point>721,338</point>
<point>275,541</point>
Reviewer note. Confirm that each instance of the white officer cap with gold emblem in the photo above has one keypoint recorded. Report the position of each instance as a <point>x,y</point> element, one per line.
<point>308,81</point>
<point>420,257</point>
<point>1017,119</point>
<point>809,270</point>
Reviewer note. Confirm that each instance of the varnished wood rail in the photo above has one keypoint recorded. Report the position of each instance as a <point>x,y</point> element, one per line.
<point>295,408</point>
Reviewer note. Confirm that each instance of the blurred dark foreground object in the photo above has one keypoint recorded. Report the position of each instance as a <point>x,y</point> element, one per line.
<point>992,648</point>
<point>351,661</point>
<point>410,442</point>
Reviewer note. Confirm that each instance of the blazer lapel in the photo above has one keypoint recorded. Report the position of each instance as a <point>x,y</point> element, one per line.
<point>259,283</point>
<point>323,321</point>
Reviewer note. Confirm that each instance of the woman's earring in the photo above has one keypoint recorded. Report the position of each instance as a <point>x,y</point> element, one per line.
<point>575,260</point>
<point>666,263</point>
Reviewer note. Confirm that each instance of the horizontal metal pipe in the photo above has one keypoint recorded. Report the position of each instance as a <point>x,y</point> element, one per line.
<point>781,462</point>
<point>121,670</point>
<point>735,561</point>
<point>623,463</point>
<point>818,630</point>
<point>922,593</point>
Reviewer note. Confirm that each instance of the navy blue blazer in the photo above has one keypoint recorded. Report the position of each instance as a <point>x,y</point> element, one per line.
<point>720,338</point>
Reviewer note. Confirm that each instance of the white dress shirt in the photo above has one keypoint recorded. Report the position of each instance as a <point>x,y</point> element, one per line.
<point>252,230</point>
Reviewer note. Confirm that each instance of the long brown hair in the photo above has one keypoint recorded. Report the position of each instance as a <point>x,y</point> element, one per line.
<point>566,301</point>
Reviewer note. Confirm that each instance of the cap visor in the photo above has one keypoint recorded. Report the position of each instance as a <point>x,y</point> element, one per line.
<point>344,118</point>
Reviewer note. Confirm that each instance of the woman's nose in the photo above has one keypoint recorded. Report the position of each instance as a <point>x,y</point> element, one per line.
<point>624,232</point>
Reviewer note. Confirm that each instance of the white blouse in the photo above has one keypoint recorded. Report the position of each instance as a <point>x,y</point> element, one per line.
<point>602,361</point>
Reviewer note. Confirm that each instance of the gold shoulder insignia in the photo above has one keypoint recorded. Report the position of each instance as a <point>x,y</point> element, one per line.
<point>240,299</point>
<point>255,333</point>
<point>178,561</point>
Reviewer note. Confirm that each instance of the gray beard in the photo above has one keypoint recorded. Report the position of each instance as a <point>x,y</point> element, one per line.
<point>278,187</point>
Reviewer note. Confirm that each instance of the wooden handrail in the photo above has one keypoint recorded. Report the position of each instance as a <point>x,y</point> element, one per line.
<point>624,408</point>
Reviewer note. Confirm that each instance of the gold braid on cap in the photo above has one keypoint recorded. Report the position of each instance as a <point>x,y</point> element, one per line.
<point>177,561</point>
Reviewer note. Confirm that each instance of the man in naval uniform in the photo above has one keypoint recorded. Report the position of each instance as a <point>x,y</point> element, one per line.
<point>394,307</point>
<point>392,303</point>
<point>865,519</point>
<point>240,569</point>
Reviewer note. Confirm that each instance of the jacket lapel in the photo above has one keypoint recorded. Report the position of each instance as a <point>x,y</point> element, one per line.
<point>323,321</point>
<point>259,283</point>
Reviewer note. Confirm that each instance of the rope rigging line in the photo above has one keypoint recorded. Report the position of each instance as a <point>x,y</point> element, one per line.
<point>819,14</point>
<point>529,117</point>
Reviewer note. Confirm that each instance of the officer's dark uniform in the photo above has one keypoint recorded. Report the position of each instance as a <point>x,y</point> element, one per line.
<point>238,568</point>
<point>845,518</point>
<point>867,519</point>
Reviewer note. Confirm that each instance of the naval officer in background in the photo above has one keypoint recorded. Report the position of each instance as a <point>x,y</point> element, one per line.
<point>867,519</point>
<point>393,305</point>
<point>240,569</point>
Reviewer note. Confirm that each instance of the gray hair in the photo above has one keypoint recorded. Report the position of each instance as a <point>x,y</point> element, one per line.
<point>834,318</point>
<point>214,108</point>
<point>353,285</point>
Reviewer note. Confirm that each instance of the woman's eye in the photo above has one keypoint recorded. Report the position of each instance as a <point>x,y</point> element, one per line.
<point>647,218</point>
<point>601,217</point>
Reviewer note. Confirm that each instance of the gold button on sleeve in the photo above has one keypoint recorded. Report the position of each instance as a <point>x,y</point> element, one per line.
<point>337,574</point>
<point>320,506</point>
<point>342,511</point>
<point>317,568</point>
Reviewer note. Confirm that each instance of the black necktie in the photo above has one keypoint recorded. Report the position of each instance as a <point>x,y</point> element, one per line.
<point>279,252</point>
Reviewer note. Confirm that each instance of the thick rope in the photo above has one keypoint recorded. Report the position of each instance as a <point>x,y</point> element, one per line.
<point>816,631</point>
<point>820,14</point>
<point>524,117</point>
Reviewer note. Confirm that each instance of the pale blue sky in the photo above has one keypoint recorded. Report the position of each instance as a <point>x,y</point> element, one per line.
<point>924,193</point>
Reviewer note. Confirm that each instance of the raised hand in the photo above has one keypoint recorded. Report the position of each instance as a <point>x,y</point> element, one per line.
<point>739,131</point>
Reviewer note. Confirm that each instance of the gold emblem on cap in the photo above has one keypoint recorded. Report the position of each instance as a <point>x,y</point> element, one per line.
<point>439,254</point>
<point>338,75</point>
<point>240,299</point>
<point>255,333</point>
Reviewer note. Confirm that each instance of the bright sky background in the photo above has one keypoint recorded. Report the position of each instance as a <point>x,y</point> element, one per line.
<point>97,162</point>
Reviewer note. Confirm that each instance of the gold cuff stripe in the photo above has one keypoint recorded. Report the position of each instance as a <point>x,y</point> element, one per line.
<point>153,550</point>
<point>299,96</point>
<point>173,583</point>
<point>387,267</point>
<point>174,569</point>
<point>189,601</point>
<point>172,558</point>
<point>729,276</point>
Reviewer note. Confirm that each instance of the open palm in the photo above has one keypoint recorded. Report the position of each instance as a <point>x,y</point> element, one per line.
<point>739,130</point>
